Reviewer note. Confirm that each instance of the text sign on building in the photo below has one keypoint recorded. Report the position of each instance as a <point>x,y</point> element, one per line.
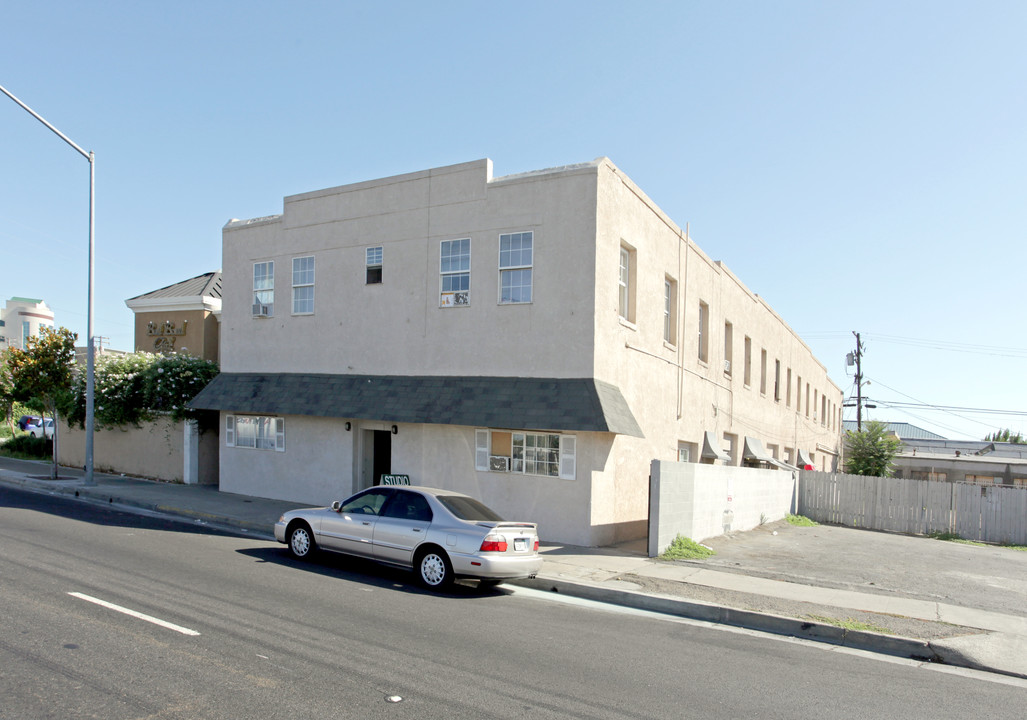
<point>165,334</point>
<point>395,480</point>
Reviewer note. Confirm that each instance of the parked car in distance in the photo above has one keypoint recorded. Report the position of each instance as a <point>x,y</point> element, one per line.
<point>439,534</point>
<point>38,429</point>
<point>25,421</point>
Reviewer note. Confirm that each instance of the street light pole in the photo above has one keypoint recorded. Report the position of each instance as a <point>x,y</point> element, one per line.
<point>90,358</point>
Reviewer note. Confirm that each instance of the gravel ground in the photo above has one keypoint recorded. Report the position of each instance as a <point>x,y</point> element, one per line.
<point>988,578</point>
<point>888,624</point>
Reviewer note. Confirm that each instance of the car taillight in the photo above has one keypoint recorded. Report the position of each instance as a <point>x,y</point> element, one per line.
<point>536,544</point>
<point>493,543</point>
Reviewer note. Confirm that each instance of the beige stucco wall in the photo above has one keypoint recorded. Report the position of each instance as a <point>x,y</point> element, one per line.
<point>580,217</point>
<point>152,451</point>
<point>321,464</point>
<point>397,327</point>
<point>673,394</point>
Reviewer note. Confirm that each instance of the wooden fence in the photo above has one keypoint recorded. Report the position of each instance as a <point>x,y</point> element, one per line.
<point>986,513</point>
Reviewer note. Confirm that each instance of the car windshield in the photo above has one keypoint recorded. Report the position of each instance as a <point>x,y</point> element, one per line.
<point>467,508</point>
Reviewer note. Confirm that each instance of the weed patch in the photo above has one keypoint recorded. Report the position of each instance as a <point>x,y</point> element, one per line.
<point>850,624</point>
<point>686,549</point>
<point>800,521</point>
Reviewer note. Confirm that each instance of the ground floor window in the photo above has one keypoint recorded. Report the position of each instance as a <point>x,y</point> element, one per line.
<point>980,479</point>
<point>688,452</point>
<point>255,431</point>
<point>526,453</point>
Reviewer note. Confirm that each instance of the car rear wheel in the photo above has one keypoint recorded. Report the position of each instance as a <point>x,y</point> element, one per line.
<point>301,541</point>
<point>434,569</point>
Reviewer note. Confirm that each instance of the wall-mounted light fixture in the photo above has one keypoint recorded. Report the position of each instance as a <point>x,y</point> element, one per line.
<point>348,426</point>
<point>395,430</point>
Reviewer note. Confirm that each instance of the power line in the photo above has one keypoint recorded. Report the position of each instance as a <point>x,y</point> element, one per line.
<point>943,345</point>
<point>951,408</point>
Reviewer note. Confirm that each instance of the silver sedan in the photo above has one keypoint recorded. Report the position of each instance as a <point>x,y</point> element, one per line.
<point>440,534</point>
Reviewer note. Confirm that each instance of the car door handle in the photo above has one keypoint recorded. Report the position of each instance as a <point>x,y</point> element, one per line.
<point>365,523</point>
<point>416,529</point>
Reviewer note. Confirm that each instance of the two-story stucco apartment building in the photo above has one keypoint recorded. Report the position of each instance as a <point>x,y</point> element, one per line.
<point>534,340</point>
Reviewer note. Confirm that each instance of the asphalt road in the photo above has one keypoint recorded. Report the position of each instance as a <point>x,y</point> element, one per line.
<point>337,639</point>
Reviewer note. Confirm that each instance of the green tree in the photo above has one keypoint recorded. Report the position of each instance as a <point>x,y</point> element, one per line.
<point>7,389</point>
<point>42,375</point>
<point>1005,435</point>
<point>871,451</point>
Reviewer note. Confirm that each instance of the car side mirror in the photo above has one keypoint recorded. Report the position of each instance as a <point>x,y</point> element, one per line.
<point>337,506</point>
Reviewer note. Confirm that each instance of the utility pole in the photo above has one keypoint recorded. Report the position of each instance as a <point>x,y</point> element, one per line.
<point>859,384</point>
<point>855,358</point>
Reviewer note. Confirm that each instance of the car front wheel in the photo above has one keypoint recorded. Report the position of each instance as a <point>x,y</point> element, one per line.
<point>301,541</point>
<point>434,569</point>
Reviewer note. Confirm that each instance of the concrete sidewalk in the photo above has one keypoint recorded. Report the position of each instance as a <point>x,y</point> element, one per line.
<point>960,635</point>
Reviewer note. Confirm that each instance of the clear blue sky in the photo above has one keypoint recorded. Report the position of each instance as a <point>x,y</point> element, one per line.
<point>861,166</point>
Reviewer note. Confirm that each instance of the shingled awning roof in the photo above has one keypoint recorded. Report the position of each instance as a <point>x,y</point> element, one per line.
<point>575,405</point>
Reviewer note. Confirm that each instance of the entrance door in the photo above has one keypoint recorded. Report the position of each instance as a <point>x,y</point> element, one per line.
<point>377,460</point>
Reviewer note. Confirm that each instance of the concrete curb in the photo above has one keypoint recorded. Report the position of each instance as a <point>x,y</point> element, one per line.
<point>897,646</point>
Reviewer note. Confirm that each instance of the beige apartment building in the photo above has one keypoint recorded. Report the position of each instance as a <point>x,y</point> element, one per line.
<point>534,340</point>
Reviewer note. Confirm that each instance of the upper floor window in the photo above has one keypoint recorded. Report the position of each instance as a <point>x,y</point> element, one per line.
<point>303,285</point>
<point>455,269</point>
<point>763,371</point>
<point>747,362</point>
<point>670,315</point>
<point>729,350</point>
<point>777,381</point>
<point>626,284</point>
<point>704,331</point>
<point>264,289</point>
<point>515,263</point>
<point>373,264</point>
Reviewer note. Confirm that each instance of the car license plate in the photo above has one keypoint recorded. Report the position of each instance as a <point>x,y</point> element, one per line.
<point>520,544</point>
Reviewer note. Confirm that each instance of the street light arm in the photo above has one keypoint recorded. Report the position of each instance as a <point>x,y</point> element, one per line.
<point>90,349</point>
<point>37,116</point>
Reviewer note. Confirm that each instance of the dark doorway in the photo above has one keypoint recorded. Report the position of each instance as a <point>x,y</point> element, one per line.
<point>381,462</point>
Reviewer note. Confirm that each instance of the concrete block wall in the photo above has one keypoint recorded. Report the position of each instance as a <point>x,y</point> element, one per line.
<point>703,501</point>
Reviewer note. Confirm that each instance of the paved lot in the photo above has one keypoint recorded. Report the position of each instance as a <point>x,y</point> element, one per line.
<point>988,578</point>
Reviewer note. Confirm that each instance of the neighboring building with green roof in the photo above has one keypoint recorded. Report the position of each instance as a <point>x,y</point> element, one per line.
<point>20,319</point>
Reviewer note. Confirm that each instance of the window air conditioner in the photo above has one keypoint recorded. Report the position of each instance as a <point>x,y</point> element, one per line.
<point>498,463</point>
<point>261,310</point>
<point>727,366</point>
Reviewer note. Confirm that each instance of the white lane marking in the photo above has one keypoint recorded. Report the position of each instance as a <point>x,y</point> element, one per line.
<point>133,613</point>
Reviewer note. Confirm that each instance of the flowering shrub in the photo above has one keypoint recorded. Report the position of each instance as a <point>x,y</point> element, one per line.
<point>137,388</point>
